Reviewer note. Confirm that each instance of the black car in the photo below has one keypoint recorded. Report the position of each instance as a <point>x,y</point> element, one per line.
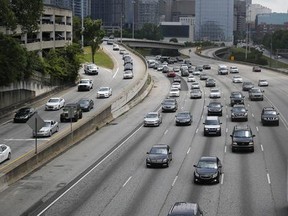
<point>210,82</point>
<point>203,76</point>
<point>206,67</point>
<point>183,118</point>
<point>236,97</point>
<point>185,208</point>
<point>159,155</point>
<point>242,138</point>
<point>23,114</point>
<point>208,170</point>
<point>269,116</point>
<point>169,105</point>
<point>214,108</point>
<point>246,86</point>
<point>239,113</point>
<point>86,104</point>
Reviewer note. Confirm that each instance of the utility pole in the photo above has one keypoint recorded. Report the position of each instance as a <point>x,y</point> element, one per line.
<point>82,24</point>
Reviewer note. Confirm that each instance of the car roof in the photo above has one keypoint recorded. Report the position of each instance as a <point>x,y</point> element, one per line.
<point>160,146</point>
<point>208,158</point>
<point>184,208</point>
<point>212,118</point>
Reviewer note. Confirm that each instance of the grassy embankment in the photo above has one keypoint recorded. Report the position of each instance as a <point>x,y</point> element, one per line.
<point>101,58</point>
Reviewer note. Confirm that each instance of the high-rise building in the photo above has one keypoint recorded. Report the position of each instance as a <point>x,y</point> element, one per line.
<point>182,8</point>
<point>214,20</point>
<point>147,11</point>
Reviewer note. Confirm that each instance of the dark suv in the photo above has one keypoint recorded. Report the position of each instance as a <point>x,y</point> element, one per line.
<point>214,108</point>
<point>236,97</point>
<point>269,116</point>
<point>169,105</point>
<point>71,112</point>
<point>242,138</point>
<point>239,112</point>
<point>185,208</point>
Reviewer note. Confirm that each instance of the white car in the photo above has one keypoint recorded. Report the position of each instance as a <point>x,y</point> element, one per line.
<point>196,72</point>
<point>152,119</point>
<point>85,85</point>
<point>195,85</point>
<point>263,82</point>
<point>215,93</point>
<point>195,93</point>
<point>176,85</point>
<point>234,69</point>
<point>237,79</point>
<point>174,92</point>
<point>104,92</point>
<point>115,47</point>
<point>50,127</point>
<point>128,74</point>
<point>55,103</point>
<point>191,78</point>
<point>5,153</point>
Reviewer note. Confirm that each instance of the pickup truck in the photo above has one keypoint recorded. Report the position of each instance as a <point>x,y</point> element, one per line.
<point>85,85</point>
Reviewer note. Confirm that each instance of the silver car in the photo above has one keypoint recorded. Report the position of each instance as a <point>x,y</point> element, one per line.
<point>152,119</point>
<point>195,93</point>
<point>50,127</point>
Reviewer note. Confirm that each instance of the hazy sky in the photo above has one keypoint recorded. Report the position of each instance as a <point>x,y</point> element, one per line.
<point>280,6</point>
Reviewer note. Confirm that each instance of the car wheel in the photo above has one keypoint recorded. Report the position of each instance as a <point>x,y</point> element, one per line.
<point>195,181</point>
<point>252,150</point>
<point>233,150</point>
<point>9,156</point>
<point>58,107</point>
<point>277,124</point>
<point>57,129</point>
<point>50,133</point>
<point>218,178</point>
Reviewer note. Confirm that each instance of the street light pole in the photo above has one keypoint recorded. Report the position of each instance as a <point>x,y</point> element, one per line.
<point>82,24</point>
<point>133,22</point>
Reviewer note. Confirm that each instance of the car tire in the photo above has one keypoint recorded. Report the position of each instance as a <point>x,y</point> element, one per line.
<point>195,181</point>
<point>50,133</point>
<point>57,129</point>
<point>233,149</point>
<point>252,149</point>
<point>9,156</point>
<point>218,178</point>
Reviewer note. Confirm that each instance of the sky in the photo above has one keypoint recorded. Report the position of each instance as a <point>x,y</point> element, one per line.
<point>278,6</point>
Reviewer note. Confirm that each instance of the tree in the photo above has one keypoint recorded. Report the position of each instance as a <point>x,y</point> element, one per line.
<point>93,34</point>
<point>21,12</point>
<point>151,32</point>
<point>77,29</point>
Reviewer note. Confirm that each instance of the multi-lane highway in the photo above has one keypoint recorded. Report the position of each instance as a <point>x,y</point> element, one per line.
<point>106,174</point>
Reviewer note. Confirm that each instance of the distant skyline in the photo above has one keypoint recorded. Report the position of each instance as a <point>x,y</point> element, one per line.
<point>278,6</point>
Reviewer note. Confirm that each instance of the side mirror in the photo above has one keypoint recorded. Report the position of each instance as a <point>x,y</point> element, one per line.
<point>194,165</point>
<point>147,152</point>
<point>231,135</point>
<point>253,135</point>
<point>220,166</point>
<point>220,123</point>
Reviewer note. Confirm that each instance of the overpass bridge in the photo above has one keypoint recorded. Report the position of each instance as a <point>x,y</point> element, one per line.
<point>140,43</point>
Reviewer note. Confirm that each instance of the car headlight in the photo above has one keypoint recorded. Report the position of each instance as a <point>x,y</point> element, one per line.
<point>233,114</point>
<point>214,175</point>
<point>251,143</point>
<point>245,114</point>
<point>165,160</point>
<point>148,159</point>
<point>218,129</point>
<point>196,174</point>
<point>206,129</point>
<point>234,143</point>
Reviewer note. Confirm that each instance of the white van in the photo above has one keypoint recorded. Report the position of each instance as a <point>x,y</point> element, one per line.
<point>222,70</point>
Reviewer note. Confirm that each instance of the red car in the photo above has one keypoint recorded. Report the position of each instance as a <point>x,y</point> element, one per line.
<point>171,74</point>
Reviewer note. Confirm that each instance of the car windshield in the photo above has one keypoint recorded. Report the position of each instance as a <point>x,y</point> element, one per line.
<point>183,115</point>
<point>262,80</point>
<point>103,89</point>
<point>83,102</point>
<point>236,95</point>
<point>239,109</point>
<point>207,165</point>
<point>255,90</point>
<point>270,112</point>
<point>211,122</point>
<point>53,100</point>
<point>214,90</point>
<point>47,124</point>
<point>84,81</point>
<point>242,133</point>
<point>169,102</point>
<point>24,110</point>
<point>195,91</point>
<point>158,151</point>
<point>151,115</point>
<point>214,105</point>
<point>174,90</point>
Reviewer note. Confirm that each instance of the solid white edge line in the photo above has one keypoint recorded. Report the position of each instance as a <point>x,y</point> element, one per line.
<point>31,139</point>
<point>84,176</point>
<point>225,149</point>
<point>262,148</point>
<point>252,115</point>
<point>268,178</point>
<point>127,181</point>
<point>188,150</point>
<point>257,129</point>
<point>197,130</point>
<point>226,130</point>
<point>222,178</point>
<point>166,132</point>
<point>174,181</point>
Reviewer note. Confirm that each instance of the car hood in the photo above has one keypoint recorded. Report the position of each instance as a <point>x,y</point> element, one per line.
<point>269,116</point>
<point>43,129</point>
<point>205,171</point>
<point>182,119</point>
<point>157,157</point>
<point>212,126</point>
<point>214,108</point>
<point>52,103</point>
<point>151,119</point>
<point>242,139</point>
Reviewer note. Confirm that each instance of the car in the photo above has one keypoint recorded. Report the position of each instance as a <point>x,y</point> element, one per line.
<point>203,76</point>
<point>215,93</point>
<point>128,60</point>
<point>262,83</point>
<point>24,114</point>
<point>236,97</point>
<point>215,108</point>
<point>239,112</point>
<point>86,104</point>
<point>50,127</point>
<point>256,69</point>
<point>91,69</point>
<point>237,79</point>
<point>177,79</point>
<point>206,67</point>
<point>176,69</point>
<point>185,208</point>
<point>166,69</point>
<point>187,62</point>
<point>191,78</point>
<point>160,67</point>
<point>85,85</point>
<point>171,73</point>
<point>196,72</point>
<point>247,85</point>
<point>234,69</point>
<point>256,94</point>
<point>190,70</point>
<point>174,92</point>
<point>184,73</point>
<point>212,126</point>
<point>195,93</point>
<point>159,155</point>
<point>5,153</point>
<point>208,170</point>
<point>242,138</point>
<point>195,85</point>
<point>199,68</point>
<point>128,74</point>
<point>210,82</point>
<point>222,70</point>
<point>104,92</point>
<point>183,67</point>
<point>152,119</point>
<point>55,103</point>
<point>183,118</point>
<point>169,105</point>
<point>71,112</point>
<point>116,47</point>
<point>269,116</point>
<point>176,85</point>
<point>122,51</point>
<point>128,66</point>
